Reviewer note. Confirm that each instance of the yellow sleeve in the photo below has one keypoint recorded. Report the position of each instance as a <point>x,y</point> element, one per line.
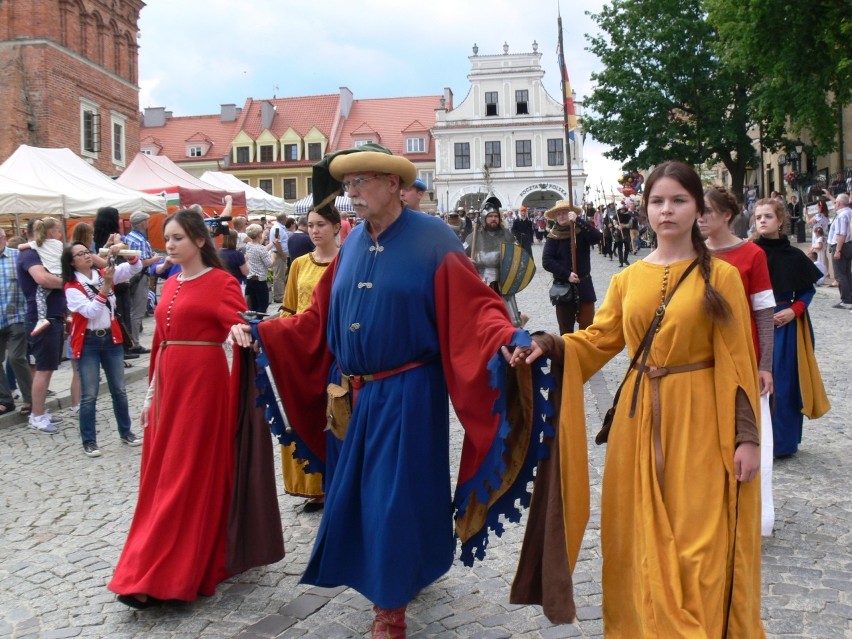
<point>290,303</point>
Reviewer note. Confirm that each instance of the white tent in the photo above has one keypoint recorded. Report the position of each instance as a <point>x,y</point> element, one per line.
<point>257,200</point>
<point>342,202</point>
<point>17,198</point>
<point>83,188</point>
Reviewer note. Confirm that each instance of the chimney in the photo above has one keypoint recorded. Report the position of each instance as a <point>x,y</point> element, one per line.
<point>154,117</point>
<point>448,98</point>
<point>267,113</point>
<point>228,113</point>
<point>345,102</point>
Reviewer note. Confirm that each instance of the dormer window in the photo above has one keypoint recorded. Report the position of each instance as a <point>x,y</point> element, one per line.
<point>363,142</point>
<point>291,152</point>
<point>490,103</point>
<point>415,145</point>
<point>194,152</point>
<point>266,156</point>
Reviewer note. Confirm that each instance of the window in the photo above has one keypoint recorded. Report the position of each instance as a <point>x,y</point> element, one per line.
<point>555,156</point>
<point>492,155</point>
<point>363,142</point>
<point>523,153</point>
<point>310,182</point>
<point>146,152</point>
<point>415,145</point>
<point>195,151</point>
<point>265,185</point>
<point>289,188</point>
<point>242,155</point>
<point>266,156</point>
<point>244,181</point>
<point>490,103</point>
<point>428,178</point>
<point>521,101</point>
<point>90,127</point>
<point>118,140</point>
<point>462,155</point>
<point>291,152</point>
<point>314,151</point>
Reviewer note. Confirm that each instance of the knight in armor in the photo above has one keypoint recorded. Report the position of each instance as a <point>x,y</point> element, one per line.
<point>483,245</point>
<point>485,240</point>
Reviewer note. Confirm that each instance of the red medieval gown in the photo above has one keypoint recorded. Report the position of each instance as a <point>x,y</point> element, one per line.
<point>176,547</point>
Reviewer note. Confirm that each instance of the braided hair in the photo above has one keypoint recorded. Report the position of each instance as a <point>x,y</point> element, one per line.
<point>716,307</point>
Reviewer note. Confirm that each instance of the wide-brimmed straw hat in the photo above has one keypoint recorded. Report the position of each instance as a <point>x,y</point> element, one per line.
<point>374,161</point>
<point>562,205</point>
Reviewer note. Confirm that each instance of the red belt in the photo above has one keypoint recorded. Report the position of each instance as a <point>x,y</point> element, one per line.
<point>358,381</point>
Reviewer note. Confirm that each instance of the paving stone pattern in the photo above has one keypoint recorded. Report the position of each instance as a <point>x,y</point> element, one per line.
<point>64,517</point>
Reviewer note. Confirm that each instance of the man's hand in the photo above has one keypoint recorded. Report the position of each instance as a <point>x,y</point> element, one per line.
<point>143,417</point>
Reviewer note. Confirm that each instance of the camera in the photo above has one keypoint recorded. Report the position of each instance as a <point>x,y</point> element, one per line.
<point>111,260</point>
<point>218,225</point>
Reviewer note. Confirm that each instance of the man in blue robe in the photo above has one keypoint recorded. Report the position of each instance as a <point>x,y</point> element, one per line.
<point>384,324</point>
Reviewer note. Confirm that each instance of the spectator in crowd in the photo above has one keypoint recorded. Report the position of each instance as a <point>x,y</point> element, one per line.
<point>299,243</point>
<point>278,236</point>
<point>234,260</point>
<point>13,336</point>
<point>95,338</point>
<point>259,261</point>
<point>137,240</point>
<point>412,196</point>
<point>45,347</point>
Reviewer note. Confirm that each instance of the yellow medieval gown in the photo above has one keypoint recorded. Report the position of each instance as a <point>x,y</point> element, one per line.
<point>305,272</point>
<point>681,556</point>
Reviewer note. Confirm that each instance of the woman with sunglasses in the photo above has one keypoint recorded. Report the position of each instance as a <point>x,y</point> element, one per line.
<point>95,339</point>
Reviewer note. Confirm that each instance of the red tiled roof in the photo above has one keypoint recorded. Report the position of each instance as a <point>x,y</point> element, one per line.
<point>301,114</point>
<point>391,118</point>
<point>173,137</point>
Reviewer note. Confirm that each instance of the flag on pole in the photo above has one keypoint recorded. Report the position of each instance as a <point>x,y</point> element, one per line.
<point>566,85</point>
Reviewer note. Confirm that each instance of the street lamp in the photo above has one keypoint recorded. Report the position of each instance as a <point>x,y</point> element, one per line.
<point>782,162</point>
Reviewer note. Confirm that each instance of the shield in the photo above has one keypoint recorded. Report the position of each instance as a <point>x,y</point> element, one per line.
<point>516,269</point>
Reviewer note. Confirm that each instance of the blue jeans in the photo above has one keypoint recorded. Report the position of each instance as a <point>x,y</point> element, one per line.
<point>97,353</point>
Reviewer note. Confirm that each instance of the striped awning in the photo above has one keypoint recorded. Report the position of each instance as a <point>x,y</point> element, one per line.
<point>342,203</point>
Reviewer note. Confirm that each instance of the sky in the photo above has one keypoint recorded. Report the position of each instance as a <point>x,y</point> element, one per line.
<point>198,54</point>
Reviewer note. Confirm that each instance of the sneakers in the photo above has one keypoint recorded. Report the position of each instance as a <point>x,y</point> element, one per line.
<point>75,410</point>
<point>843,305</point>
<point>132,440</point>
<point>91,449</point>
<point>53,418</point>
<point>42,424</point>
<point>40,326</point>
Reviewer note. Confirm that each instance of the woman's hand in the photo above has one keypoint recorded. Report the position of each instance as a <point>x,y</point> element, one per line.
<point>526,354</point>
<point>574,278</point>
<point>240,334</point>
<point>115,248</point>
<point>765,383</point>
<point>783,317</point>
<point>746,461</point>
<point>143,417</point>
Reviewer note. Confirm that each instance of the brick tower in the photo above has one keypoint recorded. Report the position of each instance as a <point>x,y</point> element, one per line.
<point>69,78</point>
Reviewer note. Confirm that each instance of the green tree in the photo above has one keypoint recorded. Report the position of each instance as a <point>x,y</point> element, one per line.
<point>802,52</point>
<point>665,93</point>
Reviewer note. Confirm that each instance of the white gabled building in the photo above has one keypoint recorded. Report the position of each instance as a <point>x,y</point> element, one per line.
<point>506,140</point>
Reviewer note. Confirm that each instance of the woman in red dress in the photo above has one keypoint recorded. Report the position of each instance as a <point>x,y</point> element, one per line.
<point>176,547</point>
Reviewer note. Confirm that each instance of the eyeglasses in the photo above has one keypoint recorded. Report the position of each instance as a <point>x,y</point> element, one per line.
<point>357,182</point>
<point>81,254</point>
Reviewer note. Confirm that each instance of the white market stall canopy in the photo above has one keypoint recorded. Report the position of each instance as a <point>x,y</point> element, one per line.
<point>342,202</point>
<point>17,198</point>
<point>257,200</point>
<point>83,188</point>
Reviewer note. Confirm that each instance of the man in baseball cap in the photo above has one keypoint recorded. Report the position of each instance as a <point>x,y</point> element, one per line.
<point>412,195</point>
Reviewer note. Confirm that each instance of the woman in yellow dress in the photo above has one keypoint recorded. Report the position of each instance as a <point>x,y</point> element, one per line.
<point>680,512</point>
<point>305,272</point>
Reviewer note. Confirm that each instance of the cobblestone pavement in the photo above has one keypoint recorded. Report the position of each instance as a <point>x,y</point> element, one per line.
<point>64,517</point>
